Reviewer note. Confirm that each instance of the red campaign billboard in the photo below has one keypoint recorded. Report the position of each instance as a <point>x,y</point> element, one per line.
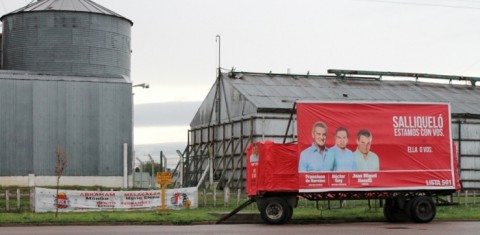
<point>374,146</point>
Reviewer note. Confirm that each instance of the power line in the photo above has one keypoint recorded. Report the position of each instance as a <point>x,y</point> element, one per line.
<point>427,4</point>
<point>475,63</point>
<point>474,1</point>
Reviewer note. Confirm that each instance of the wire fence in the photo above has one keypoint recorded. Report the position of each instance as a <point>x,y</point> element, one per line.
<point>15,200</point>
<point>20,200</point>
<point>220,198</point>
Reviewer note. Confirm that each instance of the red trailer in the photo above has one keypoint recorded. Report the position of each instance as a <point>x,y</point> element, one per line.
<point>400,152</point>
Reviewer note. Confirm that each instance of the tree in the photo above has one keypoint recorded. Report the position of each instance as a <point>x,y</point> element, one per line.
<point>60,165</point>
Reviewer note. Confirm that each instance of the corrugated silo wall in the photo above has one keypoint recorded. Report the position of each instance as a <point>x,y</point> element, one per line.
<point>228,143</point>
<point>90,121</point>
<point>67,42</point>
<point>231,139</point>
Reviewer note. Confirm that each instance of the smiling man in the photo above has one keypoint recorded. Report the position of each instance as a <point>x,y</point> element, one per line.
<point>344,160</point>
<point>314,158</point>
<point>366,160</point>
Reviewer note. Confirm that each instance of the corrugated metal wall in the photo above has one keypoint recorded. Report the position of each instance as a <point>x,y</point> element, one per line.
<point>466,134</point>
<point>90,121</point>
<point>16,127</point>
<point>67,42</point>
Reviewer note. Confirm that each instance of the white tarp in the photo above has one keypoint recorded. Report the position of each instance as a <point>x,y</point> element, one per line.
<point>73,200</point>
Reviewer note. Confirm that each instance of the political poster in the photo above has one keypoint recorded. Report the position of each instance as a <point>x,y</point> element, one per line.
<point>47,200</point>
<point>374,146</point>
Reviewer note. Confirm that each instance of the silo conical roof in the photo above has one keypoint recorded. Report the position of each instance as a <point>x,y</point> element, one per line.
<point>67,5</point>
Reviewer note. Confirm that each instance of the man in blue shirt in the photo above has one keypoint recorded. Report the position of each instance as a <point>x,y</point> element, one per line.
<point>314,158</point>
<point>344,160</point>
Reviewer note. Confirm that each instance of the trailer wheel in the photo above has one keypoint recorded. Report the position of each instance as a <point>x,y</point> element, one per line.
<point>422,209</point>
<point>289,214</point>
<point>392,211</point>
<point>260,203</point>
<point>275,210</point>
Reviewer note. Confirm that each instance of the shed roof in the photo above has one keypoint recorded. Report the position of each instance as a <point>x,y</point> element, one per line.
<point>270,92</point>
<point>67,5</point>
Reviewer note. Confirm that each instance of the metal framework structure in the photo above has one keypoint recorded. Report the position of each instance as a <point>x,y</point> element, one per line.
<point>216,151</point>
<point>228,151</point>
<point>466,135</point>
<point>342,74</point>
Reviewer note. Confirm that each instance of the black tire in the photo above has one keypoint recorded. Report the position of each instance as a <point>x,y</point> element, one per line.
<point>275,211</point>
<point>289,210</point>
<point>392,211</point>
<point>422,209</point>
<point>408,210</point>
<point>261,202</point>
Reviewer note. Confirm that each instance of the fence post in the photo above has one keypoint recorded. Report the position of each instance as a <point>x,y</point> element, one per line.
<point>32,199</point>
<point>226,196</point>
<point>18,199</point>
<point>7,202</point>
<point>204,198</point>
<point>466,194</point>
<point>238,196</point>
<point>214,196</point>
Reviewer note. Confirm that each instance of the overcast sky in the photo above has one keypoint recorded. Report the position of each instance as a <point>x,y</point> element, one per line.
<point>174,47</point>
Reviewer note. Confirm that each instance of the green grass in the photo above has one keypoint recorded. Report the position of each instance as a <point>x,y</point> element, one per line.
<point>303,214</point>
<point>460,212</point>
<point>134,217</point>
<point>444,213</point>
<point>306,212</point>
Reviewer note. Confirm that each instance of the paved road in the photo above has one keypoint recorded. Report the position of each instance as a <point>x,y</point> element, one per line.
<point>434,228</point>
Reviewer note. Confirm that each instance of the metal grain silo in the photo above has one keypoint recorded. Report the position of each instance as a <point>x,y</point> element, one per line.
<point>66,36</point>
<point>65,84</point>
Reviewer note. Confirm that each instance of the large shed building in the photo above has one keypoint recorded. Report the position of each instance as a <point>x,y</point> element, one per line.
<point>65,84</point>
<point>244,107</point>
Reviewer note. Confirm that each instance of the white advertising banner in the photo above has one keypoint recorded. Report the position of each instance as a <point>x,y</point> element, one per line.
<point>73,200</point>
